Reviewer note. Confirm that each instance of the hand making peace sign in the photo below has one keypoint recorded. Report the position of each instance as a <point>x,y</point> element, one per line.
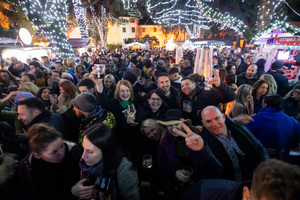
<point>192,140</point>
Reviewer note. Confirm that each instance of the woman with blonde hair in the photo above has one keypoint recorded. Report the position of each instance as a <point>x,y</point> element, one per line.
<point>71,63</point>
<point>243,103</point>
<point>28,87</point>
<point>153,130</point>
<point>271,81</point>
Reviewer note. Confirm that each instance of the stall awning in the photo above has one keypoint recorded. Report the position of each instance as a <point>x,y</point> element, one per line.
<point>79,42</point>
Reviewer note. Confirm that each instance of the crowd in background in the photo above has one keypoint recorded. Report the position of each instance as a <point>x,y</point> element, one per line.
<point>84,128</point>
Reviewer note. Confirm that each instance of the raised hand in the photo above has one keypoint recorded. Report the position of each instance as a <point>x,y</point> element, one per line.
<point>216,79</point>
<point>192,140</point>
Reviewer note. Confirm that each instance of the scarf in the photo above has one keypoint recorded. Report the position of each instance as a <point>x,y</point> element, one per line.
<point>95,170</point>
<point>125,104</point>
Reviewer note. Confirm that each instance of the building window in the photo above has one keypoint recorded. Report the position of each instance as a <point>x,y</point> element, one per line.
<point>124,30</point>
<point>133,30</point>
<point>143,30</point>
<point>155,30</point>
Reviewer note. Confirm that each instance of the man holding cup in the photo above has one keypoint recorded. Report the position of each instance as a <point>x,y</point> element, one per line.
<point>199,97</point>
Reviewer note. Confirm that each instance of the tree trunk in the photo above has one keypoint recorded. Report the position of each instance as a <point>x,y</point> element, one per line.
<point>98,23</point>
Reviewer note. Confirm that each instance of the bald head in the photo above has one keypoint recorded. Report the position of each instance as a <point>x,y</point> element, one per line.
<point>213,120</point>
<point>251,71</point>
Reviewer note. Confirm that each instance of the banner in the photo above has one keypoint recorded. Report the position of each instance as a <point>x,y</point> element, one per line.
<point>287,41</point>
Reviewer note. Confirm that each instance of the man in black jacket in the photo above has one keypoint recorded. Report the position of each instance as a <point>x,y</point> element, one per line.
<point>32,111</point>
<point>172,95</point>
<point>200,97</point>
<point>248,77</point>
<point>281,80</point>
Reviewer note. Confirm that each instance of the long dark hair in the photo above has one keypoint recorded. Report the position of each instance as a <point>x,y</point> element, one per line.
<point>103,138</point>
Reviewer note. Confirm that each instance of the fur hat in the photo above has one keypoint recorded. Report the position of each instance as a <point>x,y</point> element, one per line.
<point>85,102</point>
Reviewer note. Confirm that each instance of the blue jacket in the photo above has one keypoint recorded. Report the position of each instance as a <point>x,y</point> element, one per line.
<point>275,129</point>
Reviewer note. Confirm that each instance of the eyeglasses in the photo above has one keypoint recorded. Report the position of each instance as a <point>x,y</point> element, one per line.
<point>155,99</point>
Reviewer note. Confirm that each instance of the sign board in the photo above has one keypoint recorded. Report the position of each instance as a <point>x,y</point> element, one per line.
<point>287,41</point>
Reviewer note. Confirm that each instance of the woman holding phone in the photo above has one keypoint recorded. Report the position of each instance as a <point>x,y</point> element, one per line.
<point>106,174</point>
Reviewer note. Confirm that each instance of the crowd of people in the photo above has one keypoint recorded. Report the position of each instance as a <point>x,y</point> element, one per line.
<point>98,126</point>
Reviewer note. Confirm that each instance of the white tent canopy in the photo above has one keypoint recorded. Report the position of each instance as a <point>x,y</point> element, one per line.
<point>143,46</point>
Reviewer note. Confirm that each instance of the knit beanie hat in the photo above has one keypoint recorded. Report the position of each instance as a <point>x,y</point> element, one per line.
<point>160,63</point>
<point>130,76</point>
<point>277,65</point>
<point>85,102</point>
<point>296,87</point>
<point>22,94</point>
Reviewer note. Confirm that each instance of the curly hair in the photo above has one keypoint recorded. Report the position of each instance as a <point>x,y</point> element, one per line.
<point>276,180</point>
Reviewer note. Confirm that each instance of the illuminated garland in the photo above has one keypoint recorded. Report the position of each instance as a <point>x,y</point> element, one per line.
<point>131,7</point>
<point>224,19</point>
<point>80,14</point>
<point>275,25</point>
<point>103,24</point>
<point>172,14</point>
<point>195,14</point>
<point>50,20</point>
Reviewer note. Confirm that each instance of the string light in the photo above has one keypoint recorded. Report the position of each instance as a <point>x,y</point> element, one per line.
<point>80,14</point>
<point>131,7</point>
<point>51,22</point>
<point>194,15</point>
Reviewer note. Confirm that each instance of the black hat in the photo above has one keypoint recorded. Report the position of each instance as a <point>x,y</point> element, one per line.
<point>174,116</point>
<point>277,65</point>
